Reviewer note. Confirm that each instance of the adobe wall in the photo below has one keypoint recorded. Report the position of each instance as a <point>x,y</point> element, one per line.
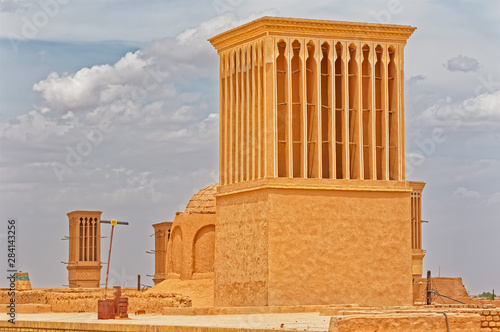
<point>190,251</point>
<point>406,322</point>
<point>85,300</point>
<point>303,246</point>
<point>450,287</point>
<point>339,247</point>
<point>241,247</point>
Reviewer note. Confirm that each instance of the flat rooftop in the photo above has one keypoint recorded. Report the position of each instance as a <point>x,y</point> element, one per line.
<point>291,322</point>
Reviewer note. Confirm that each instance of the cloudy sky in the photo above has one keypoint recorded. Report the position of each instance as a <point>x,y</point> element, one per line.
<point>112,106</point>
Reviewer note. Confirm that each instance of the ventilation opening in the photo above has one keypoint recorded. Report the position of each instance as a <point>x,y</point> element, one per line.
<point>353,114</point>
<point>312,113</point>
<point>379,108</point>
<point>339,106</point>
<point>326,112</point>
<point>367,111</point>
<point>393,115</point>
<point>297,128</point>
<point>282,108</point>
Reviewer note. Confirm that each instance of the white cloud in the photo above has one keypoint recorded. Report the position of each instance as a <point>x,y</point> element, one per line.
<point>462,192</point>
<point>90,87</point>
<point>494,199</point>
<point>415,79</point>
<point>482,111</point>
<point>35,125</point>
<point>462,63</point>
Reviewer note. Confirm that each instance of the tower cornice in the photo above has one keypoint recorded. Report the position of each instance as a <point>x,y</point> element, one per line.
<point>306,27</point>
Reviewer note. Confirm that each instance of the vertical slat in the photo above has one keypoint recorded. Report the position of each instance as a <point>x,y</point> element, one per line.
<point>97,241</point>
<point>345,118</point>
<point>242,115</point>
<point>303,54</point>
<point>359,112</point>
<point>417,205</point>
<point>420,220</point>
<point>401,114</point>
<point>289,126</point>
<point>414,219</point>
<point>237,148</point>
<point>373,113</point>
<point>318,109</point>
<point>232,106</point>
<point>86,239</point>
<point>249,154</point>
<point>227,110</point>
<point>222,123</point>
<point>264,153</point>
<point>92,240</point>
<point>259,110</point>
<point>385,117</point>
<point>331,133</point>
<point>270,111</point>
<point>254,122</point>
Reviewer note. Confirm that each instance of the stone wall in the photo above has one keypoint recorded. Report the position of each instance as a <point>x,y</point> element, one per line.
<point>408,323</point>
<point>85,300</point>
<point>490,321</point>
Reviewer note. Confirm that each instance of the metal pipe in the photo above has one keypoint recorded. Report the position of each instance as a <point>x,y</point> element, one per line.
<point>447,322</point>
<point>429,292</point>
<point>109,257</point>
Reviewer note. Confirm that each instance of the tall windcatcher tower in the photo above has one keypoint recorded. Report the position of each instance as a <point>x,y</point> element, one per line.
<point>313,206</point>
<point>84,265</point>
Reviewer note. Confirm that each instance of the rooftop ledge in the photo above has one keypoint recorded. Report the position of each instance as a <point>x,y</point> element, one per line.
<point>316,184</point>
<point>283,26</point>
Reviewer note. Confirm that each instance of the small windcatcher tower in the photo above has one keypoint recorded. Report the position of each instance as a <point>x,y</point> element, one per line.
<point>313,206</point>
<point>84,265</point>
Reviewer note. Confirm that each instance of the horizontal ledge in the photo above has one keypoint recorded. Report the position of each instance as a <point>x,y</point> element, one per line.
<point>315,184</point>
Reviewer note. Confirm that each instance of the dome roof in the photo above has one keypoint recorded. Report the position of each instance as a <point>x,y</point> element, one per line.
<point>203,201</point>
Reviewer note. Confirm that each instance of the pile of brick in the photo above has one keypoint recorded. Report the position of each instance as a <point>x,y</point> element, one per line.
<point>490,321</point>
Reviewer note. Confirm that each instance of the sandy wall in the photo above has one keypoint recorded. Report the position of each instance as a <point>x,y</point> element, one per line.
<point>277,246</point>
<point>85,300</point>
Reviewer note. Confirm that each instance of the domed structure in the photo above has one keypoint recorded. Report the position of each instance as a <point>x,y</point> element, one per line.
<point>203,201</point>
<point>185,247</point>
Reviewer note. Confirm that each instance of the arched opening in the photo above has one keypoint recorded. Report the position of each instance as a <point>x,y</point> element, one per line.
<point>80,235</point>
<point>204,250</point>
<point>367,111</point>
<point>393,114</point>
<point>379,110</point>
<point>297,84</point>
<point>339,111</point>
<point>282,109</point>
<point>85,239</point>
<point>326,111</point>
<point>353,114</point>
<point>232,120</point>
<point>176,251</point>
<point>312,113</point>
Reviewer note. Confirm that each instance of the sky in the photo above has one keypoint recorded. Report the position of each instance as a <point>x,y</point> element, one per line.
<point>113,106</point>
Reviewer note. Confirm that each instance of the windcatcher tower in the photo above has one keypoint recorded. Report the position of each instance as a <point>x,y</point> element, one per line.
<point>313,206</point>
<point>84,265</point>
